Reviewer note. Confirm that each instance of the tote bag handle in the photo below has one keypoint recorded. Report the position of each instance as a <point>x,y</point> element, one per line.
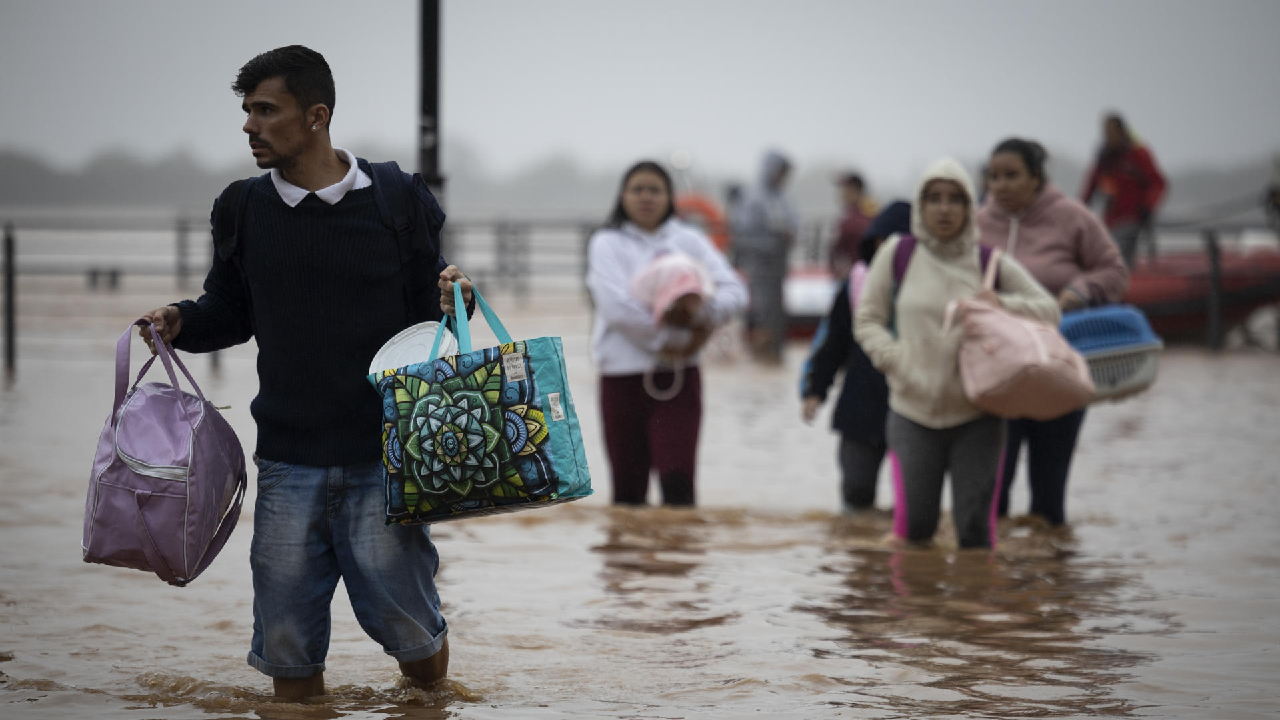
<point>462,325</point>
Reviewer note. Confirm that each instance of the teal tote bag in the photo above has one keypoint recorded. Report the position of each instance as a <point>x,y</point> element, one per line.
<point>481,432</point>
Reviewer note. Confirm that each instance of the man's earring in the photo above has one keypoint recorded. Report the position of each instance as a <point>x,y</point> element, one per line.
<point>313,127</point>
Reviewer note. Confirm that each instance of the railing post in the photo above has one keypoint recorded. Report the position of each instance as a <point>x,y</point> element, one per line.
<point>181,251</point>
<point>502,246</point>
<point>10,304</point>
<point>215,357</point>
<point>1215,289</point>
<point>520,270</point>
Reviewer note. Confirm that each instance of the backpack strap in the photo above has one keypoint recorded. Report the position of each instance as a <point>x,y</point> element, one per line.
<point>226,231</point>
<point>390,195</point>
<point>984,259</point>
<point>226,223</point>
<point>902,258</point>
<point>395,200</point>
<point>907,247</point>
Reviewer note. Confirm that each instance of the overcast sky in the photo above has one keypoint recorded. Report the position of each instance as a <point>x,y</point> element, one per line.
<point>884,86</point>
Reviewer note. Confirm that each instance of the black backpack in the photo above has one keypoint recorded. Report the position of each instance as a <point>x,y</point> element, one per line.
<point>407,208</point>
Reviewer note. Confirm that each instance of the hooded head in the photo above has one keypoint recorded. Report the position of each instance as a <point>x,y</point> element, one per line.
<point>966,237</point>
<point>774,163</point>
<point>894,219</point>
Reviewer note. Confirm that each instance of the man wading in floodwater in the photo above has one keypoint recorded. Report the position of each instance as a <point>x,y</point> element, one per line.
<point>319,285</point>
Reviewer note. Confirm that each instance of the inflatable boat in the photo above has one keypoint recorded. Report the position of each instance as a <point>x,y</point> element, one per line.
<point>1174,290</point>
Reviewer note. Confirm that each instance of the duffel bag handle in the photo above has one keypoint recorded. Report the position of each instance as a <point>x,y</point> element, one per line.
<point>462,325</point>
<point>993,268</point>
<point>167,358</point>
<point>988,283</point>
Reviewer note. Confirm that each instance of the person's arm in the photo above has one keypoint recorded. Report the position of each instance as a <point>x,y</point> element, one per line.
<point>1090,185</point>
<point>836,335</point>
<point>875,308</point>
<point>428,260</point>
<point>221,317</point>
<point>1020,294</point>
<point>729,296</point>
<point>609,280</point>
<point>1153,180</point>
<point>1103,278</point>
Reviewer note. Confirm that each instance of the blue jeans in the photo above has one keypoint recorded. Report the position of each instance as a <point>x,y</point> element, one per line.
<point>313,525</point>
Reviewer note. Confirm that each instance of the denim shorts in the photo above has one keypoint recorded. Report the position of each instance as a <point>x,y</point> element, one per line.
<point>313,525</point>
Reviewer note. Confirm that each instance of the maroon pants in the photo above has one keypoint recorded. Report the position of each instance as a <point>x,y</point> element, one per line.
<point>644,434</point>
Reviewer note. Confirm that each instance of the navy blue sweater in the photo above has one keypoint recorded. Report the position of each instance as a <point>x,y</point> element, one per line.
<point>325,292</point>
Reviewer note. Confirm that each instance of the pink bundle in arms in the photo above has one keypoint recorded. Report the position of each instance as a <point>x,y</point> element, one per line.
<point>667,279</point>
<point>1016,367</point>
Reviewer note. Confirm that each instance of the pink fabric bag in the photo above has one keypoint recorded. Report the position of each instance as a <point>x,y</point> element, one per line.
<point>1016,367</point>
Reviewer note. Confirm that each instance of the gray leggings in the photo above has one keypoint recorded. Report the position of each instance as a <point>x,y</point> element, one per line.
<point>971,452</point>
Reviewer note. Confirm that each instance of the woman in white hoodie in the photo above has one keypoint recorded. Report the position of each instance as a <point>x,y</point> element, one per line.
<point>641,432</point>
<point>933,428</point>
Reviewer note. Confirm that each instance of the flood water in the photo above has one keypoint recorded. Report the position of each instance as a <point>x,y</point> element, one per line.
<point>1162,599</point>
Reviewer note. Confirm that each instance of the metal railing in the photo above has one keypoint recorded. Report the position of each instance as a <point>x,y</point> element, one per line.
<point>501,255</point>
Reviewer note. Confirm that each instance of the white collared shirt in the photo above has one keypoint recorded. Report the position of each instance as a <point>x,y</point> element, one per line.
<point>355,179</point>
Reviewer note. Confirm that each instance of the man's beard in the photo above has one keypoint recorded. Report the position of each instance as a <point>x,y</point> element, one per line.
<point>278,162</point>
<point>283,163</point>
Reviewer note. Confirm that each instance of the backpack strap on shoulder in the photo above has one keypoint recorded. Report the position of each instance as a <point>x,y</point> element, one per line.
<point>984,259</point>
<point>226,224</point>
<point>226,231</point>
<point>902,253</point>
<point>902,258</point>
<point>390,195</point>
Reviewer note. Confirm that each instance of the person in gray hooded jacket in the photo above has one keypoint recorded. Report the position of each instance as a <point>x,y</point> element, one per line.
<point>764,230</point>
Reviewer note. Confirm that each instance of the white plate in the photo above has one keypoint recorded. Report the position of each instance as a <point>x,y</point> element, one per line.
<point>412,345</point>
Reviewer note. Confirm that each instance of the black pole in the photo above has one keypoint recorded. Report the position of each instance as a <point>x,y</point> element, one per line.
<point>215,357</point>
<point>10,298</point>
<point>1215,289</point>
<point>182,253</point>
<point>429,122</point>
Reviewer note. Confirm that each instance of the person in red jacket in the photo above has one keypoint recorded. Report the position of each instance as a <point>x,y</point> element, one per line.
<point>844,249</point>
<point>1126,173</point>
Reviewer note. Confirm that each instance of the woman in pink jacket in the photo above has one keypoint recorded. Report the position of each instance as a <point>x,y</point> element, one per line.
<point>1066,248</point>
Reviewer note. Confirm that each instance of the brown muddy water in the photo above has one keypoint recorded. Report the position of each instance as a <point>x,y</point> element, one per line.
<point>1161,600</point>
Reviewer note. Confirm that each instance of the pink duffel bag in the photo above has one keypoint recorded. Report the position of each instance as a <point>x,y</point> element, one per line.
<point>1016,367</point>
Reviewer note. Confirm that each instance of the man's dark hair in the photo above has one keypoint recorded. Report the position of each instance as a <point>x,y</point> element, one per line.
<point>306,75</point>
<point>1118,119</point>
<point>619,215</point>
<point>1032,153</point>
<point>853,179</point>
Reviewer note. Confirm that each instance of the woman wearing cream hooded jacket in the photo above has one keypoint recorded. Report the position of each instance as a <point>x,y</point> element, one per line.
<point>933,428</point>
